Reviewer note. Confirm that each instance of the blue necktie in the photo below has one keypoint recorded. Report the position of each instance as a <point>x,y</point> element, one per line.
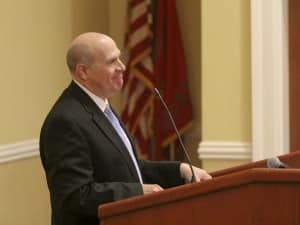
<point>116,124</point>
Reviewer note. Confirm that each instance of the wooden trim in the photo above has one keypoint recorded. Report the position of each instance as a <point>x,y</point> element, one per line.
<point>294,73</point>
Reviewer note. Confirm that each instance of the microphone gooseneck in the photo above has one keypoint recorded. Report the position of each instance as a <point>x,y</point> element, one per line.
<point>193,179</point>
<point>275,163</point>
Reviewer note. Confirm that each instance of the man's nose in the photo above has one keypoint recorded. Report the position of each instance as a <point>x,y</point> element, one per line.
<point>121,65</point>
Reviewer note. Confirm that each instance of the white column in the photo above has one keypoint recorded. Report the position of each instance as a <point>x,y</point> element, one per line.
<point>270,100</point>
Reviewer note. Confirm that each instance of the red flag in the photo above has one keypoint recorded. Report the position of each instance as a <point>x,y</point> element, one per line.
<point>138,100</point>
<point>170,76</point>
<point>141,114</point>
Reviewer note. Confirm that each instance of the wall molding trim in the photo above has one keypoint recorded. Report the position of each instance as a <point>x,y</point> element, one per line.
<point>20,150</point>
<point>224,150</point>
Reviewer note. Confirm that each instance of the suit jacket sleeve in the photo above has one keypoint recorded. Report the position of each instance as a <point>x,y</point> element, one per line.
<point>164,173</point>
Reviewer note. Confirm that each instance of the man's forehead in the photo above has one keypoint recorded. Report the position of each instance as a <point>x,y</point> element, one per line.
<point>113,54</point>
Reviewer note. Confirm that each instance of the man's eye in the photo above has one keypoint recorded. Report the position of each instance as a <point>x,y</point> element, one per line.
<point>111,61</point>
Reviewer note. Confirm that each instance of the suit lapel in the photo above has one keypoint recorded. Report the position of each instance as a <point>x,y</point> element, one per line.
<point>103,124</point>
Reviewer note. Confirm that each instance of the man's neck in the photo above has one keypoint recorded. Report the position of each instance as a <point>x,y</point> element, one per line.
<point>100,102</point>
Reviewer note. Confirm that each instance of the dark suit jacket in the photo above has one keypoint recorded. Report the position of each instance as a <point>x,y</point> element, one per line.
<point>86,162</point>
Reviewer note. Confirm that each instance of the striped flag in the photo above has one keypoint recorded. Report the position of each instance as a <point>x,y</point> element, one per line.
<point>155,58</point>
<point>137,96</point>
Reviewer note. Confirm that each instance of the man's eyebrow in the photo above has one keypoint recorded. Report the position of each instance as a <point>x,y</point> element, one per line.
<point>112,58</point>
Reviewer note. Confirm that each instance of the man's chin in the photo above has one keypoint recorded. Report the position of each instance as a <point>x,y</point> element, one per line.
<point>118,85</point>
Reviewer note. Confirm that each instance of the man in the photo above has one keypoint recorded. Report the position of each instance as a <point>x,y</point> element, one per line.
<point>87,154</point>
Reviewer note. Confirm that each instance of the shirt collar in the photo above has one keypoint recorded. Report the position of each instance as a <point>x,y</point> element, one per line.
<point>100,102</point>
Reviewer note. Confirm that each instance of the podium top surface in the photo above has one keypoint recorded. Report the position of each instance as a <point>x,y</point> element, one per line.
<point>188,191</point>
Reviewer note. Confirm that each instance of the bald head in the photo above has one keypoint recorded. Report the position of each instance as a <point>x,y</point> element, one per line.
<point>83,49</point>
<point>94,62</point>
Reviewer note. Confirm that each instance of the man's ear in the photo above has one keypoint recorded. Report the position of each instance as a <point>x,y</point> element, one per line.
<point>81,71</point>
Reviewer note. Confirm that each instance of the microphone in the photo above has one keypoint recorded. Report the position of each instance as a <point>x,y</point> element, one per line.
<point>275,163</point>
<point>193,179</point>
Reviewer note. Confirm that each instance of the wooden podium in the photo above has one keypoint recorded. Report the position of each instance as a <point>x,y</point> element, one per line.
<point>243,195</point>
